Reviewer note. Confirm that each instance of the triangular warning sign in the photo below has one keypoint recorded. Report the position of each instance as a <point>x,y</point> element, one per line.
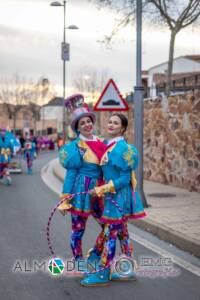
<point>111,99</point>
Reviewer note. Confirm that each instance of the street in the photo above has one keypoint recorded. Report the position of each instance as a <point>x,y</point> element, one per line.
<point>24,212</point>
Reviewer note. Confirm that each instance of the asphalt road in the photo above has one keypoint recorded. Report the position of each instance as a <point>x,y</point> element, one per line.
<point>24,210</point>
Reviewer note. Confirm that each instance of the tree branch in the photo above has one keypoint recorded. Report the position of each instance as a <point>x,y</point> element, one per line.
<point>191,21</point>
<point>170,21</point>
<point>189,12</point>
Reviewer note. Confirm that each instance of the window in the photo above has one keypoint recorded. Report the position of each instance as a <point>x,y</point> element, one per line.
<point>49,130</point>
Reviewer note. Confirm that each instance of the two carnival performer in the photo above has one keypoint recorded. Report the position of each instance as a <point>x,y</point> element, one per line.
<point>81,158</point>
<point>121,201</point>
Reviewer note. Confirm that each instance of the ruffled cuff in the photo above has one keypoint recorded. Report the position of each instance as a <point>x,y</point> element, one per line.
<point>106,188</point>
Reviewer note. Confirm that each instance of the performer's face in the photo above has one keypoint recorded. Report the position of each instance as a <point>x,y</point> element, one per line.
<point>85,127</point>
<point>114,127</point>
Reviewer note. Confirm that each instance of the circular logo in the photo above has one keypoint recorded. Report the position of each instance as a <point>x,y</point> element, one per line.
<point>124,266</point>
<point>56,266</point>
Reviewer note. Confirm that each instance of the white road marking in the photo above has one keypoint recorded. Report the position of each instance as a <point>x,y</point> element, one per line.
<point>177,260</point>
<point>50,179</point>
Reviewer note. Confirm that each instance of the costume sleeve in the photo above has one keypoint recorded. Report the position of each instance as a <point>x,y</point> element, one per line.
<point>113,185</point>
<point>125,159</point>
<point>70,159</point>
<point>69,181</point>
<point>131,158</point>
<point>128,162</point>
<point>69,156</point>
<point>123,179</point>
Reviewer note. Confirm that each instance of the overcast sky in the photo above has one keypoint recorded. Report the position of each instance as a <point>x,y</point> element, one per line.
<point>31,33</point>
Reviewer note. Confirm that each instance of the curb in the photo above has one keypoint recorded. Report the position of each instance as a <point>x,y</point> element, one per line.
<point>163,232</point>
<point>169,235</point>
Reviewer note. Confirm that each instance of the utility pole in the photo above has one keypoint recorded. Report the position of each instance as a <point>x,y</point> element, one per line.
<point>138,103</point>
<point>64,80</point>
<point>65,57</point>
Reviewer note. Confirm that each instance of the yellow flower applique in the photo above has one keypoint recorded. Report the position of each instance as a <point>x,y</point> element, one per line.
<point>128,156</point>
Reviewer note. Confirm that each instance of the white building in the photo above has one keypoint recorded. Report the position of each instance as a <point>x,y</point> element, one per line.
<point>182,65</point>
<point>53,111</point>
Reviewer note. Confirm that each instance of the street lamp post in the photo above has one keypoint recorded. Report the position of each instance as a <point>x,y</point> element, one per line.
<point>138,102</point>
<point>64,82</point>
<point>65,57</point>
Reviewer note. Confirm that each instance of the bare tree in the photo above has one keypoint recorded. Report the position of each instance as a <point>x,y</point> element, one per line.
<point>43,91</point>
<point>89,80</point>
<point>17,93</point>
<point>35,110</point>
<point>176,14</point>
<point>13,94</point>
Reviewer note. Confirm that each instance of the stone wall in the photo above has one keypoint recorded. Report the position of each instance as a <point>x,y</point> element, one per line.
<point>171,139</point>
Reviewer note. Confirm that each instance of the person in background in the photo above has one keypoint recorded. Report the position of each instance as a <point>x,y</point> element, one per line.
<point>7,143</point>
<point>22,141</point>
<point>35,140</point>
<point>59,142</point>
<point>29,154</point>
<point>51,145</point>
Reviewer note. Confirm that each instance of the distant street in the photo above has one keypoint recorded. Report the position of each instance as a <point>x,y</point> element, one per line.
<point>24,210</point>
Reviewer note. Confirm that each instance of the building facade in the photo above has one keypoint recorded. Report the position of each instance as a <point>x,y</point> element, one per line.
<point>183,67</point>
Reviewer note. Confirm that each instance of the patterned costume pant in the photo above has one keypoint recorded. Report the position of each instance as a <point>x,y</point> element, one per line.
<point>111,232</point>
<point>78,229</point>
<point>122,235</point>
<point>108,231</point>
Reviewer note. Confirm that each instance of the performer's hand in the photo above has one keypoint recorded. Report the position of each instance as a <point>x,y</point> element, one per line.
<point>62,211</point>
<point>65,205</point>
<point>63,208</point>
<point>92,192</point>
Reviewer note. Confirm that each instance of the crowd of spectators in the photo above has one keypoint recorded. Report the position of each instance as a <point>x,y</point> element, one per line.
<point>42,143</point>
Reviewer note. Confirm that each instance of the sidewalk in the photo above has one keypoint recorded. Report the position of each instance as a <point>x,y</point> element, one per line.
<point>173,213</point>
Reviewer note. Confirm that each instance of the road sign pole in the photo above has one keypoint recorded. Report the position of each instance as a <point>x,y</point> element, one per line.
<point>138,104</point>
